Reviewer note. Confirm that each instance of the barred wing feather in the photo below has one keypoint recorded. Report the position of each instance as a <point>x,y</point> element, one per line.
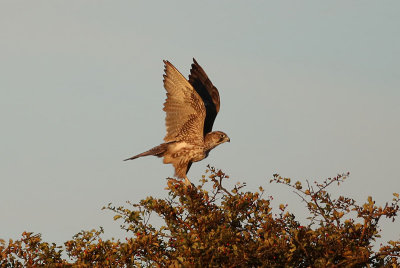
<point>185,110</point>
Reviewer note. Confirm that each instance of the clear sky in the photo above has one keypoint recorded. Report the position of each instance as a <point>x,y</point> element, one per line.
<point>308,89</point>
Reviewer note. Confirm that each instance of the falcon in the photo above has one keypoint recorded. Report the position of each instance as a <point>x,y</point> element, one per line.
<point>191,107</point>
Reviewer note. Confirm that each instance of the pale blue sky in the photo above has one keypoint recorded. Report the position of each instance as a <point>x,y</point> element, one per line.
<point>308,89</point>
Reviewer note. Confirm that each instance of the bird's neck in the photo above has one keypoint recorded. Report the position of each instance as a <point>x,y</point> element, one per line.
<point>209,142</point>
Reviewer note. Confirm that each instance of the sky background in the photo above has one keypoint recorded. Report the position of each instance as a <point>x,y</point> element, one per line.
<point>308,89</point>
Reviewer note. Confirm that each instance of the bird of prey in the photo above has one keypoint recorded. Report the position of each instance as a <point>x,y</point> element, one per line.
<point>191,107</point>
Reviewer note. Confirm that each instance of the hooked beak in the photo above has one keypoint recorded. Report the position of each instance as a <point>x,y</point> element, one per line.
<point>229,140</point>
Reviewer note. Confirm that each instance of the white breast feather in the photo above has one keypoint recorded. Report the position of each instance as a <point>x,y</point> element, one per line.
<point>177,146</point>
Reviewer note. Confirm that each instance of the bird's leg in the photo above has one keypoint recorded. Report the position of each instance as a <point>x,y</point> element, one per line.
<point>187,181</point>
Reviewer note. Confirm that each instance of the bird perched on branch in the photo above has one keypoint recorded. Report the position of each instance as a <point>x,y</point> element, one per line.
<point>191,107</point>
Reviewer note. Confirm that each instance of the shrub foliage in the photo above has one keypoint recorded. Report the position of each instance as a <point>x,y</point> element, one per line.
<point>225,227</point>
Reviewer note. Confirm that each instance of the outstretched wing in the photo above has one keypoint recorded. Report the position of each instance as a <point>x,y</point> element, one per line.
<point>207,91</point>
<point>185,111</point>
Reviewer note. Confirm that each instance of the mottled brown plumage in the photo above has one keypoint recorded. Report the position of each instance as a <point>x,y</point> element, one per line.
<point>191,108</point>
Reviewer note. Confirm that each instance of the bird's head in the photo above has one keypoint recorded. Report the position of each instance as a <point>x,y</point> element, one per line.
<point>212,139</point>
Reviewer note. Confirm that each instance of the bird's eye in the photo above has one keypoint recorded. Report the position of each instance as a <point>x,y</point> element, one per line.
<point>222,136</point>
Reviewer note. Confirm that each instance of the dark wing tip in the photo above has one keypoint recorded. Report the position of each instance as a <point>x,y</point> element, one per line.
<point>200,81</point>
<point>167,64</point>
<point>207,91</point>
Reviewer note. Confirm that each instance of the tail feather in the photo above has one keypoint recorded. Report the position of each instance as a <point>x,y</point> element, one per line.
<point>156,151</point>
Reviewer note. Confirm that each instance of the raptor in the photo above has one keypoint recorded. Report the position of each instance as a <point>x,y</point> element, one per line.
<point>191,107</point>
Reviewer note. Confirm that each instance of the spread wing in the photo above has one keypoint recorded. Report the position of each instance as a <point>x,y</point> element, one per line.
<point>207,91</point>
<point>185,111</point>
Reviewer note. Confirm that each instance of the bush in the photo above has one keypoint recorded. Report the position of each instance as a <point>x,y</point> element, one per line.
<point>230,228</point>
